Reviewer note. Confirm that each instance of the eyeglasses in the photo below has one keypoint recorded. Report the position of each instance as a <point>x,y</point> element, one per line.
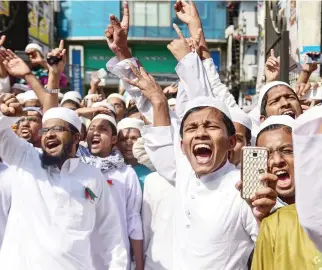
<point>283,152</point>
<point>55,129</point>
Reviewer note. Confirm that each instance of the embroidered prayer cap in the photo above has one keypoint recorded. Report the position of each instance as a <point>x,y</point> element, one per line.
<point>21,87</point>
<point>64,114</point>
<point>204,101</point>
<point>21,98</point>
<point>130,123</point>
<point>268,87</point>
<point>239,116</point>
<point>313,94</point>
<point>72,95</point>
<point>34,46</point>
<point>277,120</point>
<point>30,95</point>
<point>105,117</point>
<point>172,101</point>
<point>104,104</point>
<point>33,109</point>
<point>115,95</point>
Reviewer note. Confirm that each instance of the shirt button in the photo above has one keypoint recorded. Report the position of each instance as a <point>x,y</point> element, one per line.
<point>188,213</point>
<point>192,197</point>
<point>198,183</point>
<point>187,226</point>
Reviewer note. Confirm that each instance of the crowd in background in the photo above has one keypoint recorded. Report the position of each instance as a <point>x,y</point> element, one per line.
<point>137,180</point>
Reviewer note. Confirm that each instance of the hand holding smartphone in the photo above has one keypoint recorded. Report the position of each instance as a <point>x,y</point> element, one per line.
<point>254,163</point>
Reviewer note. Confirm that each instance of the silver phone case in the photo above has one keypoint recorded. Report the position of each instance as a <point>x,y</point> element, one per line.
<point>252,166</point>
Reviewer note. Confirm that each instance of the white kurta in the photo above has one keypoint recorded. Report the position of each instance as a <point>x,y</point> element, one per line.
<point>5,198</point>
<point>214,227</point>
<point>157,216</point>
<point>52,225</point>
<point>307,142</point>
<point>127,194</point>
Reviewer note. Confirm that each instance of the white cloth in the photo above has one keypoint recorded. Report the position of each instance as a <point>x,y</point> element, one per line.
<point>157,217</point>
<point>34,46</point>
<point>5,85</point>
<point>21,98</point>
<point>277,120</point>
<point>239,116</point>
<point>72,95</point>
<point>313,94</point>
<point>127,194</point>
<point>268,87</point>
<point>30,95</point>
<point>307,143</point>
<point>115,95</point>
<point>141,155</point>
<point>254,115</point>
<point>51,224</point>
<point>130,123</point>
<point>171,101</point>
<point>21,87</point>
<point>33,109</point>
<point>106,117</point>
<point>5,198</point>
<point>65,114</point>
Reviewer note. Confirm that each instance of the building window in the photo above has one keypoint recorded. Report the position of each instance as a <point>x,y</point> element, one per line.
<point>150,13</point>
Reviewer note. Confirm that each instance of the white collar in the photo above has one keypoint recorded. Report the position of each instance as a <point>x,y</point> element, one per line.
<point>219,173</point>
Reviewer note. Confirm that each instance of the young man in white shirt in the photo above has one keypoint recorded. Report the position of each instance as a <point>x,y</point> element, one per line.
<point>62,215</point>
<point>123,182</point>
<point>5,198</point>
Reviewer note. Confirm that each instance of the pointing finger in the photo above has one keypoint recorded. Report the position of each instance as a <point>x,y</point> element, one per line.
<point>178,31</point>
<point>272,53</point>
<point>61,45</point>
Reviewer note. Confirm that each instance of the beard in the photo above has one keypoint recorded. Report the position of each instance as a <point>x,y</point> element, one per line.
<point>47,160</point>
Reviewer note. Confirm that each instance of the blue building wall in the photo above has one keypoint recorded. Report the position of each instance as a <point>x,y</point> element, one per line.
<point>213,16</point>
<point>85,18</point>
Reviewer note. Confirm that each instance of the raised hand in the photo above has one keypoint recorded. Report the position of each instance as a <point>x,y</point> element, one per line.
<point>179,47</point>
<point>58,68</point>
<point>147,84</point>
<point>14,65</point>
<point>116,32</point>
<point>9,105</point>
<point>171,89</point>
<point>272,67</point>
<point>302,89</point>
<point>309,68</point>
<point>186,12</point>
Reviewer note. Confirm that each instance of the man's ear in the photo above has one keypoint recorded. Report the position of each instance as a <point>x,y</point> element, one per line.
<point>232,142</point>
<point>76,138</point>
<point>182,149</point>
<point>262,118</point>
<point>114,140</point>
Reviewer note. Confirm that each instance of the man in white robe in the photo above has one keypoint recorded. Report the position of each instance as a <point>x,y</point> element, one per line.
<point>62,215</point>
<point>308,173</point>
<point>5,198</point>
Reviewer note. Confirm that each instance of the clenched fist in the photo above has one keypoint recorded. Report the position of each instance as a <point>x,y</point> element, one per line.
<point>9,105</point>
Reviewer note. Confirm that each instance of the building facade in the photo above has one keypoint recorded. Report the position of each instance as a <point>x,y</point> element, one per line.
<point>82,25</point>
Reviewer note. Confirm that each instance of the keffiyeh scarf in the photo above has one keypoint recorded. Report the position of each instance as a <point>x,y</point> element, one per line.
<point>114,161</point>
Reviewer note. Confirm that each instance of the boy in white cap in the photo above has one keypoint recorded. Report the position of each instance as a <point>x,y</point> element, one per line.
<point>118,102</point>
<point>31,99</point>
<point>282,243</point>
<point>62,215</point>
<point>71,100</point>
<point>29,125</point>
<point>122,179</point>
<point>308,174</point>
<point>243,127</point>
<point>128,132</point>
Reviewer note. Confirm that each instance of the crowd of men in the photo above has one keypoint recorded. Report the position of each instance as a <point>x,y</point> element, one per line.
<point>137,181</point>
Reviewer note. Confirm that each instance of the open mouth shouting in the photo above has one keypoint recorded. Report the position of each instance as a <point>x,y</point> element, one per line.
<point>284,178</point>
<point>289,113</point>
<point>52,146</point>
<point>95,142</point>
<point>202,153</point>
<point>25,133</point>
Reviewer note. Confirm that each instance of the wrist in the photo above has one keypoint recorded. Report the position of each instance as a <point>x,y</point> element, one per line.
<point>28,76</point>
<point>159,101</point>
<point>122,54</point>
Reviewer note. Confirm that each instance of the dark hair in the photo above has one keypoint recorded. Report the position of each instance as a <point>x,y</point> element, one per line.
<point>132,110</point>
<point>248,135</point>
<point>228,123</point>
<point>72,102</point>
<point>287,129</point>
<point>114,130</point>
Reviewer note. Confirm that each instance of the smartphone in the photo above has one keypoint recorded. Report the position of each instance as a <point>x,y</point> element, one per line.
<point>310,58</point>
<point>24,56</point>
<point>254,162</point>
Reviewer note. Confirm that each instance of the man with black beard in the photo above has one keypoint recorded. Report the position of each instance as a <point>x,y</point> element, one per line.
<point>62,215</point>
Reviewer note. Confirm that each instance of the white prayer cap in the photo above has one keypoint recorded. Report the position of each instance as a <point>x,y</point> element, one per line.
<point>239,116</point>
<point>104,104</point>
<point>20,87</point>
<point>30,95</point>
<point>268,87</point>
<point>72,95</point>
<point>105,117</point>
<point>130,123</point>
<point>34,109</point>
<point>284,120</point>
<point>313,94</point>
<point>172,101</point>
<point>204,101</point>
<point>116,96</point>
<point>309,122</point>
<point>60,95</point>
<point>64,114</point>
<point>21,98</point>
<point>34,46</point>
<point>85,121</point>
